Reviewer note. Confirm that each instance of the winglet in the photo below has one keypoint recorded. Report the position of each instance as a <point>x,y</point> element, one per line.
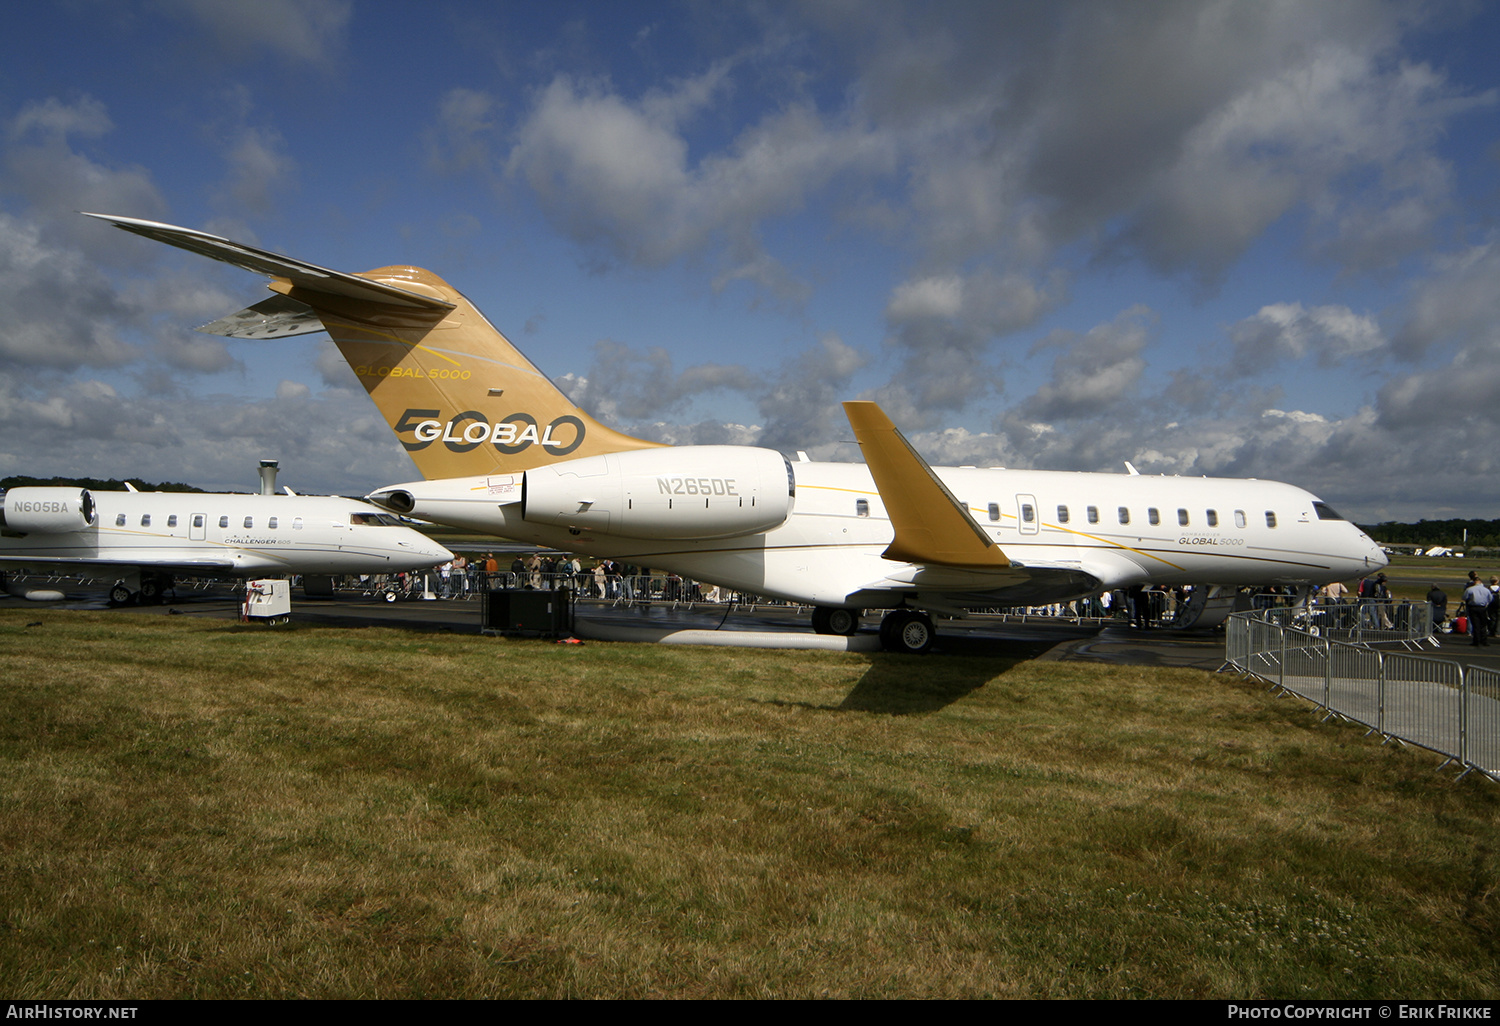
<point>931,525</point>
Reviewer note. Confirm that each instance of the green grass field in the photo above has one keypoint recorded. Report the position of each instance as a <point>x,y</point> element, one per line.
<point>195,808</point>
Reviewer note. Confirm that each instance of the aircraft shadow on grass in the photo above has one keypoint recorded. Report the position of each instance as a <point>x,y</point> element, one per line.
<point>902,686</point>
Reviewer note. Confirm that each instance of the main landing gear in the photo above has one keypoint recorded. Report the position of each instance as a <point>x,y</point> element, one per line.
<point>148,588</point>
<point>902,630</point>
<point>835,620</point>
<point>906,630</point>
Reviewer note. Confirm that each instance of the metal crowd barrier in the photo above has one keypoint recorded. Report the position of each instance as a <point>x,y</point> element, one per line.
<point>1365,622</point>
<point>1432,703</point>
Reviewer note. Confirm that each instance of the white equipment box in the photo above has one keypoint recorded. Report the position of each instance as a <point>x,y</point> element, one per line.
<point>268,601</point>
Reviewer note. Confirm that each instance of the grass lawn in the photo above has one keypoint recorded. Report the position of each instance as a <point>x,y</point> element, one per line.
<point>196,808</point>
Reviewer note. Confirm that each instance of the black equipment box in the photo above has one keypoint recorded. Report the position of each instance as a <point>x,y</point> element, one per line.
<point>539,613</point>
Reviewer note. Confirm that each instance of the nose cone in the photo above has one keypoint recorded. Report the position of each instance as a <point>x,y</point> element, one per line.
<point>419,551</point>
<point>1374,557</point>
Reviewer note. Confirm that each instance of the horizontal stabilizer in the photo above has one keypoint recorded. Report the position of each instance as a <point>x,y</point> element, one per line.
<point>277,317</point>
<point>302,275</point>
<point>931,525</point>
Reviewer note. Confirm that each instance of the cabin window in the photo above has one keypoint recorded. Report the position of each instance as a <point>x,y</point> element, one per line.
<point>1062,514</point>
<point>223,521</point>
<point>296,523</point>
<point>145,519</point>
<point>120,520</point>
<point>249,523</point>
<point>1182,518</point>
<point>1270,519</point>
<point>861,507</point>
<point>1028,513</point>
<point>1154,515</point>
<point>1239,518</point>
<point>272,524</point>
<point>197,519</point>
<point>1093,514</point>
<point>1212,516</point>
<point>1124,515</point>
<point>994,511</point>
<point>172,520</point>
<point>1325,511</point>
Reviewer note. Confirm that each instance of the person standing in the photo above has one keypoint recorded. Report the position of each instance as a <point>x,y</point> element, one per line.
<point>1477,600</point>
<point>1437,599</point>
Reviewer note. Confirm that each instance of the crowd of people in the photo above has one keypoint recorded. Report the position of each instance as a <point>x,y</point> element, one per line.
<point>1141,606</point>
<point>467,577</point>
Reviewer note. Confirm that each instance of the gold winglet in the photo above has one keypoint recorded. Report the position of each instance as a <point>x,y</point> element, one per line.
<point>931,525</point>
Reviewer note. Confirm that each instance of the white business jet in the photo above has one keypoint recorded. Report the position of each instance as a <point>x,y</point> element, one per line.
<point>505,452</point>
<point>143,540</point>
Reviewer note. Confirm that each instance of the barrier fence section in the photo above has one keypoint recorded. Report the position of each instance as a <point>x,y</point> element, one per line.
<point>1365,622</point>
<point>1434,703</point>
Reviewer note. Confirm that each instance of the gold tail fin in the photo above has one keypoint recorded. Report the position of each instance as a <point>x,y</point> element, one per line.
<point>461,399</point>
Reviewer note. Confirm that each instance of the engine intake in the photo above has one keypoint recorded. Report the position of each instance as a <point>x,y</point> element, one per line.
<point>47,510</point>
<point>690,492</point>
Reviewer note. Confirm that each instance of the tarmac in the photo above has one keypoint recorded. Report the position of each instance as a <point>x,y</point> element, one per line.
<point>1053,639</point>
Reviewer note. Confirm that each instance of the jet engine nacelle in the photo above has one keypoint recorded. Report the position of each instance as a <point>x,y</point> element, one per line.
<point>688,492</point>
<point>47,510</point>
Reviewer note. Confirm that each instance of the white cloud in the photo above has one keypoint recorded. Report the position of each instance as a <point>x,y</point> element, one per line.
<point>303,30</point>
<point>60,311</point>
<point>86,117</point>
<point>1288,331</point>
<point>461,139</point>
<point>618,175</point>
<point>258,167</point>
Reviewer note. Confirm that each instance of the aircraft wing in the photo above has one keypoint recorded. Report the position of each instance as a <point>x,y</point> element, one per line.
<point>278,316</point>
<point>204,567</point>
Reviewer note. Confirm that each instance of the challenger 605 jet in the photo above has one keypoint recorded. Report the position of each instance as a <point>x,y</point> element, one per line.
<point>142,541</point>
<point>504,451</point>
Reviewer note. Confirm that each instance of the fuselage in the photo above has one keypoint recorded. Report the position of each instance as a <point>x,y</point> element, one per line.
<point>1066,535</point>
<point>225,535</point>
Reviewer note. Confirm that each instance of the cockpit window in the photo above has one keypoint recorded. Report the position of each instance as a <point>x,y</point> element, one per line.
<point>1325,511</point>
<point>374,520</point>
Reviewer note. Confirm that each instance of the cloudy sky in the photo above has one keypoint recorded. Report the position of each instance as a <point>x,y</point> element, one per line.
<point>1239,239</point>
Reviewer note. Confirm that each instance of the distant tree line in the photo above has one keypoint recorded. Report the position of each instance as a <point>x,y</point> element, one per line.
<point>93,483</point>
<point>1428,533</point>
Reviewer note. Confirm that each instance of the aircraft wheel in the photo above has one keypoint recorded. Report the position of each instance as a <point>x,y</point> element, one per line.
<point>150,591</point>
<point>119,595</point>
<point>843,621</point>
<point>820,620</point>
<point>906,631</point>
